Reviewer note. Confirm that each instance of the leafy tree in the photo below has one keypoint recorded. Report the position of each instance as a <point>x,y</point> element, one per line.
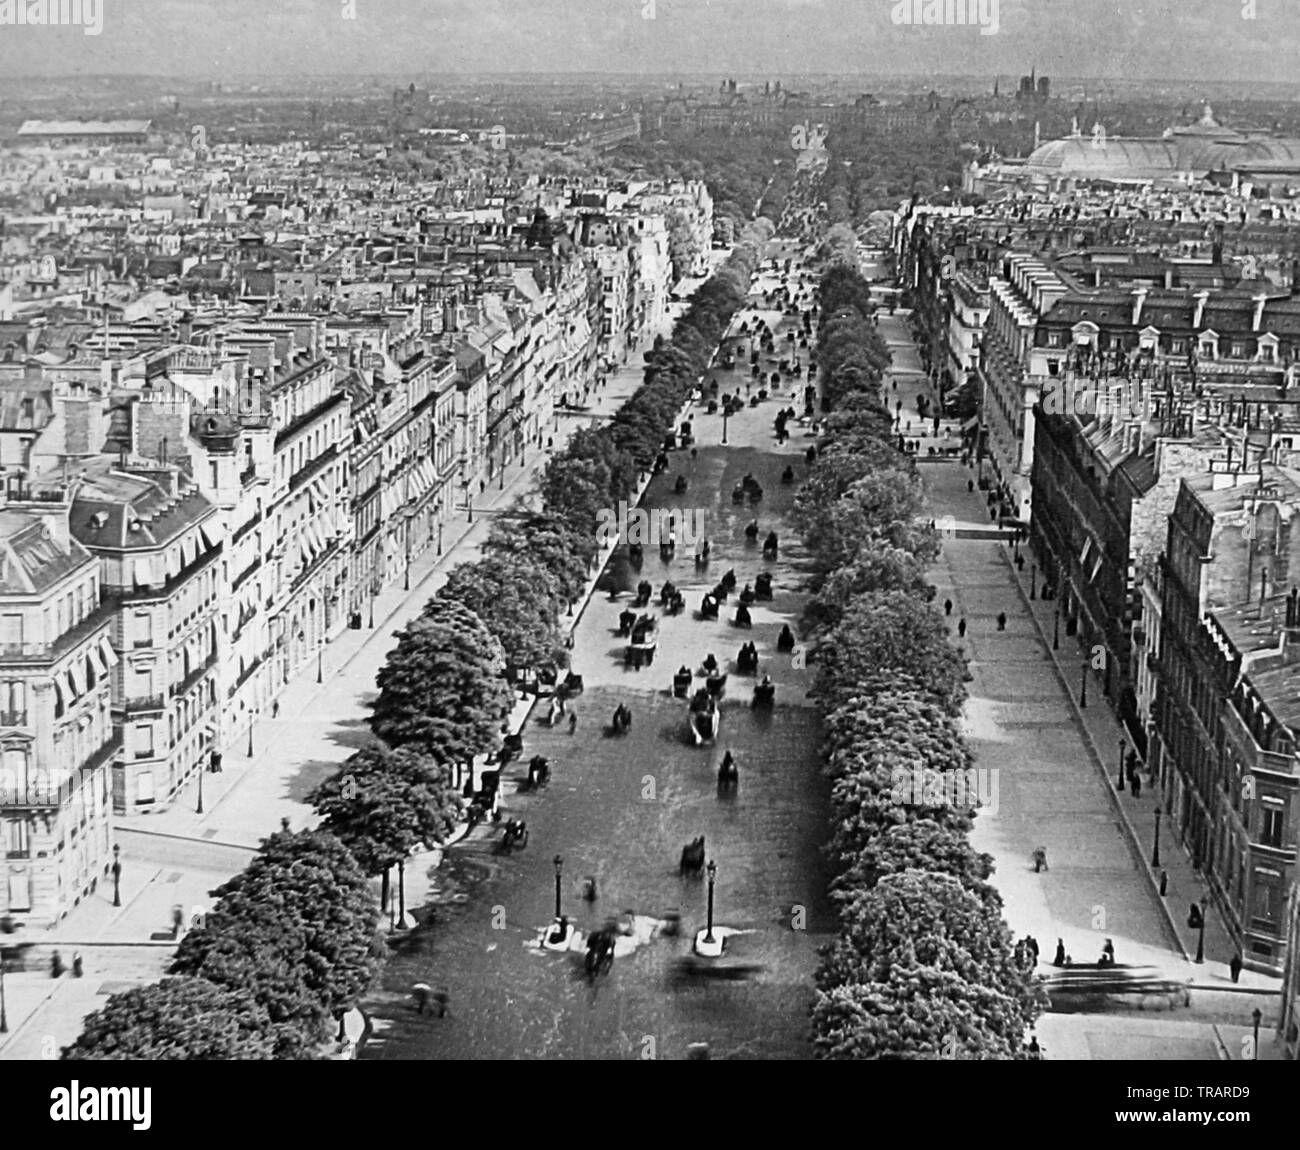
<point>177,1019</point>
<point>890,633</point>
<point>876,566</point>
<point>441,690</point>
<point>296,929</point>
<point>550,542</point>
<point>916,918</point>
<point>383,804</point>
<point>915,1013</point>
<point>920,844</point>
<point>880,508</point>
<point>517,599</point>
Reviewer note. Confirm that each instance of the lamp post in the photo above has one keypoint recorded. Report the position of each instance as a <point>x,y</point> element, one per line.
<point>439,536</point>
<point>1155,849</point>
<point>4,1007</point>
<point>726,413</point>
<point>712,870</point>
<point>117,875</point>
<point>1083,686</point>
<point>1257,1017</point>
<point>1200,937</point>
<point>198,808</point>
<point>372,606</point>
<point>1056,628</point>
<point>1119,781</point>
<point>320,665</point>
<point>251,722</point>
<point>559,875</point>
<point>1033,581</point>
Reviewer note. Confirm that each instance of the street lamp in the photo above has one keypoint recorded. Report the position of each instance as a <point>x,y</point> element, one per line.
<point>439,536</point>
<point>726,413</point>
<point>320,672</point>
<point>251,722</point>
<point>1033,581</point>
<point>1200,938</point>
<point>4,1008</point>
<point>372,607</point>
<point>1056,628</point>
<point>559,873</point>
<point>1083,688</point>
<point>1257,1016</point>
<point>1155,850</point>
<point>117,875</point>
<point>198,809</point>
<point>712,871</point>
<point>1119,782</point>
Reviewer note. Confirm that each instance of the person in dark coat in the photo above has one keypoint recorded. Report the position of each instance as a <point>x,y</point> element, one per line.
<point>961,628</point>
<point>1002,620</point>
<point>1059,959</point>
<point>1235,966</point>
<point>947,606</point>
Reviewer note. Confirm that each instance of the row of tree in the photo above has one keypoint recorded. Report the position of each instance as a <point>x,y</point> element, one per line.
<point>923,965</point>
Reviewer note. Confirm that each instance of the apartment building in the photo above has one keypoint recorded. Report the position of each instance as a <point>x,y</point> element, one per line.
<point>58,740</point>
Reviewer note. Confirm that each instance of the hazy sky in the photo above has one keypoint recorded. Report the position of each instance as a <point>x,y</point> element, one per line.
<point>1176,39</point>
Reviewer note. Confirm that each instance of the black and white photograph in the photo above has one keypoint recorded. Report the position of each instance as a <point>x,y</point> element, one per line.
<point>650,530</point>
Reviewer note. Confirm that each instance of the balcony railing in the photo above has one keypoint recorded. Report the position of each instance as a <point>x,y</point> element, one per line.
<point>48,652</point>
<point>194,676</point>
<point>139,703</point>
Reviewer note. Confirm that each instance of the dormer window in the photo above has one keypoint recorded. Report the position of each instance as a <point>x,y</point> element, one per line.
<point>99,521</point>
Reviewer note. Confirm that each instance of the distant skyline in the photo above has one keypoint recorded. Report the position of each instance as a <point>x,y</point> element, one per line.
<point>1172,40</point>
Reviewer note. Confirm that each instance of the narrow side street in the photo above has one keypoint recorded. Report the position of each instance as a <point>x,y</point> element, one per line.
<point>1055,765</point>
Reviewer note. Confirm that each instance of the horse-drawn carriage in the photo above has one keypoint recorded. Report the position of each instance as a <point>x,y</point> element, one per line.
<point>512,746</point>
<point>692,862</point>
<point>682,682</point>
<point>644,641</point>
<point>644,590</point>
<point>747,596</point>
<point>679,488</point>
<point>539,772</point>
<point>635,555</point>
<point>751,531</point>
<point>771,546</point>
<point>1088,987</point>
<point>694,971</point>
<point>705,718</point>
<point>622,720</point>
<point>764,694</point>
<point>743,617</point>
<point>728,582</point>
<point>667,592</point>
<point>709,607</point>
<point>787,476</point>
<point>702,554</point>
<point>514,834</point>
<point>747,660</point>
<point>600,951</point>
<point>785,641</point>
<point>728,773</point>
<point>763,586</point>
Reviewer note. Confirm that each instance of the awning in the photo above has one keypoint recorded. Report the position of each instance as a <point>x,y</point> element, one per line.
<point>172,562</point>
<point>973,421</point>
<point>65,700</point>
<point>97,664</point>
<point>190,548</point>
<point>1083,555</point>
<point>211,533</point>
<point>69,695</point>
<point>106,650</point>
<point>145,573</point>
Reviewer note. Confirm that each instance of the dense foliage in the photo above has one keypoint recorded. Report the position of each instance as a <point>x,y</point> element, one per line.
<point>923,966</point>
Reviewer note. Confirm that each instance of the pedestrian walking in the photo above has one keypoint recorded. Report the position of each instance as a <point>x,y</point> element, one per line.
<point>275,708</point>
<point>961,628</point>
<point>76,964</point>
<point>573,721</point>
<point>970,486</point>
<point>1235,966</point>
<point>214,765</point>
<point>1135,785</point>
<point>1059,959</point>
<point>1040,860</point>
<point>947,606</point>
<point>56,965</point>
<point>1002,620</point>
